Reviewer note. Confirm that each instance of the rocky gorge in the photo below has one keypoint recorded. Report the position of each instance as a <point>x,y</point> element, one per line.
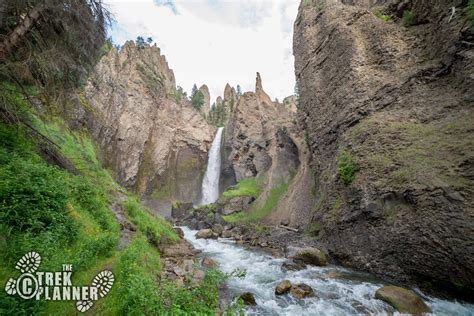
<point>369,165</point>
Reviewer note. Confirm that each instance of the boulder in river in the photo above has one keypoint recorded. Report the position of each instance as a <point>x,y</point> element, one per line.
<point>403,300</point>
<point>206,234</point>
<point>308,255</point>
<point>283,287</point>
<point>291,265</point>
<point>301,290</point>
<point>248,299</point>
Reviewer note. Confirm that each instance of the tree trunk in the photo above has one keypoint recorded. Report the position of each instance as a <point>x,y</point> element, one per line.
<point>20,30</point>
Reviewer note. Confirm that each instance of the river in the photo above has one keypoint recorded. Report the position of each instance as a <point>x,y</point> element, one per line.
<point>338,291</point>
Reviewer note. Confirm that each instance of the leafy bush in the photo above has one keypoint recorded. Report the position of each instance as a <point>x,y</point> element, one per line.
<point>346,167</point>
<point>33,199</point>
<point>408,18</point>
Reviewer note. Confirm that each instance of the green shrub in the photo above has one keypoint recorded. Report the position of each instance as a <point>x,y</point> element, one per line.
<point>245,187</point>
<point>379,14</point>
<point>346,167</point>
<point>33,199</point>
<point>408,18</point>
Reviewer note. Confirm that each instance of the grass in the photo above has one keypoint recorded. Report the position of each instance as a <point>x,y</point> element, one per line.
<point>346,167</point>
<point>425,153</point>
<point>151,226</point>
<point>245,187</point>
<point>259,213</point>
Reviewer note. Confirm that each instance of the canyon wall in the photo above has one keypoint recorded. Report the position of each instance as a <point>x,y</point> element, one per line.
<point>393,100</point>
<point>152,140</point>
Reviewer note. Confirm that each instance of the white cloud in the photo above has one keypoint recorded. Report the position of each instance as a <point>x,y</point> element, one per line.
<point>216,42</point>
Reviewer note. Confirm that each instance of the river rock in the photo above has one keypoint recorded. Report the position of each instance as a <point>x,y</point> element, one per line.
<point>206,234</point>
<point>217,228</point>
<point>208,263</point>
<point>309,255</point>
<point>248,299</point>
<point>283,287</point>
<point>226,234</point>
<point>291,265</point>
<point>403,300</point>
<point>301,291</point>
<point>179,232</point>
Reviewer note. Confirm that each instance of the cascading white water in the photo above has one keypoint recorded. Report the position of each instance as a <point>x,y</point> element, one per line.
<point>338,291</point>
<point>210,183</point>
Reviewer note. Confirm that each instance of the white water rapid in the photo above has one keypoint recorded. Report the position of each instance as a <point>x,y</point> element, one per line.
<point>339,291</point>
<point>210,183</point>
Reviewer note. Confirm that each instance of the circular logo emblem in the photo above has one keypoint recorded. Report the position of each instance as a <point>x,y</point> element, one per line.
<point>27,286</point>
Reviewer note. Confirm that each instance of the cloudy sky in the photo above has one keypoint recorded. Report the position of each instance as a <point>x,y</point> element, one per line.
<point>216,41</point>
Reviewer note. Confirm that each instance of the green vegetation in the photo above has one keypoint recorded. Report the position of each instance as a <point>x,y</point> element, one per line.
<point>379,14</point>
<point>150,226</point>
<point>470,11</point>
<point>245,187</point>
<point>141,43</point>
<point>346,167</point>
<point>423,159</point>
<point>197,98</point>
<point>259,213</point>
<point>65,217</point>
<point>408,18</point>
<point>217,115</point>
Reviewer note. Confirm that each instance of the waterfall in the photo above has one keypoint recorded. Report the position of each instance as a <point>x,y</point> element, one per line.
<point>210,183</point>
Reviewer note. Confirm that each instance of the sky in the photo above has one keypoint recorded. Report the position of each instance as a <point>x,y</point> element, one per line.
<point>215,42</point>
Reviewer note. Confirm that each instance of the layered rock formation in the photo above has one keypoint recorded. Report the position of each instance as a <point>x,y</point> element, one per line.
<point>394,97</point>
<point>262,140</point>
<point>152,144</point>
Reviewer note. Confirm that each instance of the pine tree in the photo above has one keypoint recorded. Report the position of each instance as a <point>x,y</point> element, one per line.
<point>197,98</point>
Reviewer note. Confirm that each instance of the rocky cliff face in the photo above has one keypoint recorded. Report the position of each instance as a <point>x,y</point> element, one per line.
<point>396,100</point>
<point>262,140</point>
<point>152,143</point>
<point>206,106</point>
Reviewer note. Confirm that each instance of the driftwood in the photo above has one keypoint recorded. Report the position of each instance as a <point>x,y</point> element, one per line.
<point>288,228</point>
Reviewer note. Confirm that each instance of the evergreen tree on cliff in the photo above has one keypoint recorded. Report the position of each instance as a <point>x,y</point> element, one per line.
<point>197,98</point>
